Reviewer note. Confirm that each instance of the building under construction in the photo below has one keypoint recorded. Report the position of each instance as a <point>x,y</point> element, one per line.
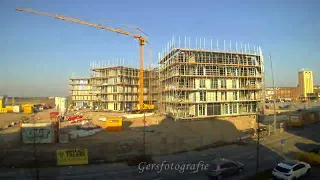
<point>81,92</point>
<point>113,88</point>
<point>205,81</point>
<point>189,82</point>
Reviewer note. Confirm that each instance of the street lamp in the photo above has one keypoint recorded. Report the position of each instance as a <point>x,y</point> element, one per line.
<point>274,95</point>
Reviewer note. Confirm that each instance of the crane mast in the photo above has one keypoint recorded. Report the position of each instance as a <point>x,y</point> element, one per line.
<point>142,42</point>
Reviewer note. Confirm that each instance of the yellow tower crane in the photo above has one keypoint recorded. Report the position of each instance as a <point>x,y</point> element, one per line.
<point>141,107</point>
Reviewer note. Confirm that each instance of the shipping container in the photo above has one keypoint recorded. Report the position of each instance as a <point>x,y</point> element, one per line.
<point>3,110</point>
<point>9,109</point>
<point>114,124</point>
<point>28,109</point>
<point>17,109</point>
<point>313,117</point>
<point>298,119</point>
<point>27,105</point>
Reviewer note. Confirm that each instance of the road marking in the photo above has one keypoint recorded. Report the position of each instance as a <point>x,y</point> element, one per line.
<point>251,157</point>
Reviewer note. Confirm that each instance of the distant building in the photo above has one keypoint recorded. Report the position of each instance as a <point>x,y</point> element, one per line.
<point>305,79</point>
<point>316,88</point>
<point>291,93</point>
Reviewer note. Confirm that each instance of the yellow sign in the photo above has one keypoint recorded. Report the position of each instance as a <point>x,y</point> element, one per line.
<point>72,156</point>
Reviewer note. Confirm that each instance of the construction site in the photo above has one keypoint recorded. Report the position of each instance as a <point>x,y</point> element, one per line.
<point>189,83</point>
<point>119,111</point>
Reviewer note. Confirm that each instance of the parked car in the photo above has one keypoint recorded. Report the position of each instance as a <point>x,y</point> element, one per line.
<point>291,170</point>
<point>223,168</point>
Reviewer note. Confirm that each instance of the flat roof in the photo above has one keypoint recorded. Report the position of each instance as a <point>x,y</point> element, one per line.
<point>117,67</point>
<point>86,78</point>
<point>202,50</point>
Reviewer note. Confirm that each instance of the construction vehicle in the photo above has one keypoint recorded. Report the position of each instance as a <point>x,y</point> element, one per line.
<point>142,41</point>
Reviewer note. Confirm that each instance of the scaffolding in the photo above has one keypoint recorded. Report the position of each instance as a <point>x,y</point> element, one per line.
<point>207,82</point>
<point>116,87</point>
<point>80,91</point>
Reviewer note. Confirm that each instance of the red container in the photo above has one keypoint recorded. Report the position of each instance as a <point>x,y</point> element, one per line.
<point>54,113</point>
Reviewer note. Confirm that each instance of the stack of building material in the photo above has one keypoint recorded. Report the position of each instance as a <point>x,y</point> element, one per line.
<point>103,119</point>
<point>137,115</point>
<point>75,134</point>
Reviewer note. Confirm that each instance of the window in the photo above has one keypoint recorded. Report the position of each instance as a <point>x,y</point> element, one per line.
<point>217,109</point>
<point>225,108</point>
<point>214,83</point>
<point>200,70</point>
<point>114,97</point>
<point>282,169</point>
<point>201,110</point>
<point>224,166</point>
<point>234,83</point>
<point>202,83</point>
<point>223,83</point>
<point>223,96</point>
<point>210,110</point>
<point>227,165</point>
<point>230,108</point>
<point>235,108</point>
<point>298,167</point>
<point>114,88</point>
<point>203,96</point>
<point>235,96</point>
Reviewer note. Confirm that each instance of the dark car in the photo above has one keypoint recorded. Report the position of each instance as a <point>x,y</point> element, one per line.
<point>223,168</point>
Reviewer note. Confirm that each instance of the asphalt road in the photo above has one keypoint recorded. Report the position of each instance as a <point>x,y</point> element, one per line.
<point>271,153</point>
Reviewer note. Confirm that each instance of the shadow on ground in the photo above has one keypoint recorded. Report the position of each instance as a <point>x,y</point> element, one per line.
<point>214,133</point>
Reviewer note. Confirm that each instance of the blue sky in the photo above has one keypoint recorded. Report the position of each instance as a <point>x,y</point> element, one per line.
<point>38,53</point>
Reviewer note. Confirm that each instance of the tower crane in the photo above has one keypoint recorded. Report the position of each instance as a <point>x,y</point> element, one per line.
<point>142,41</point>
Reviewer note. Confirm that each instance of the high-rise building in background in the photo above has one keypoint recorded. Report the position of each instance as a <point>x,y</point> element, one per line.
<point>305,79</point>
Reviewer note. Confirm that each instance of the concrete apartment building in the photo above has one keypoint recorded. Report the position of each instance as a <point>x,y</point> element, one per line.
<point>202,82</point>
<point>113,88</point>
<point>81,93</point>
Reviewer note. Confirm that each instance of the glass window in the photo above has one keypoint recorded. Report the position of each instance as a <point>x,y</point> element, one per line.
<point>282,169</point>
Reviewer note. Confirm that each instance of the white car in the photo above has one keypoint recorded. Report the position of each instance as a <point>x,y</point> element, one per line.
<point>291,170</point>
